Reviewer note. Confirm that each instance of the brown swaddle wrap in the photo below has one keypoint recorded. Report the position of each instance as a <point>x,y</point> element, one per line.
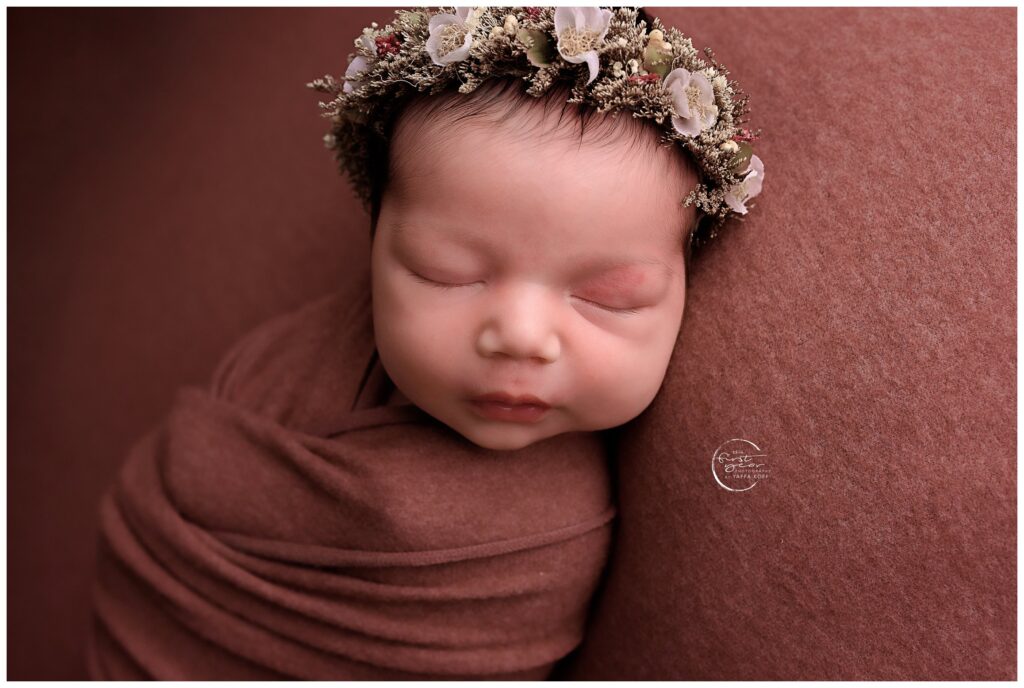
<point>280,525</point>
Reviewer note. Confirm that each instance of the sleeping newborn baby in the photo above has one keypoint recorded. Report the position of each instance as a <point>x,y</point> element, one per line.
<point>528,278</point>
<point>411,481</point>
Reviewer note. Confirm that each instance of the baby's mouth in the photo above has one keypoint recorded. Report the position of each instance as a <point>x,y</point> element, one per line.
<point>514,409</point>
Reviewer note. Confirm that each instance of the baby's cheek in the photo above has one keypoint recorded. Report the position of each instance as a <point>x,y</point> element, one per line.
<point>615,381</point>
<point>431,329</point>
<point>427,339</point>
<point>600,371</point>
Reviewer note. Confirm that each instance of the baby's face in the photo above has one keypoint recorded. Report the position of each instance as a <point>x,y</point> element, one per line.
<point>553,270</point>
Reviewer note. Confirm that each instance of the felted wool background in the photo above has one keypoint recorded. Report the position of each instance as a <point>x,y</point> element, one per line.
<point>168,190</point>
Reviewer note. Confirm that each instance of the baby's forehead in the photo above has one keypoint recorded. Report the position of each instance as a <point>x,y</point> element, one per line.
<point>493,167</point>
<point>501,123</point>
<point>612,178</point>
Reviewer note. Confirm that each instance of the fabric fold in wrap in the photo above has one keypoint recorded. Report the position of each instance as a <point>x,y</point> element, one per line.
<point>279,525</point>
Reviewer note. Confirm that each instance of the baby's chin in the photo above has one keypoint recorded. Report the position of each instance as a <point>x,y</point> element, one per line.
<point>502,435</point>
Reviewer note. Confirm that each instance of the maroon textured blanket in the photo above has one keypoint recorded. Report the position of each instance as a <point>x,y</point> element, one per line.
<point>282,524</point>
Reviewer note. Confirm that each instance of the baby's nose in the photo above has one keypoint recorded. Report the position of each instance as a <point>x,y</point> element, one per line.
<point>521,323</point>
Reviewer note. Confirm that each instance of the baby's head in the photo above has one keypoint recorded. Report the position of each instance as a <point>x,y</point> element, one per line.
<point>530,247</point>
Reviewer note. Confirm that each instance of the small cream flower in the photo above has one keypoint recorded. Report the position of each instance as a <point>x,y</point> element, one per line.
<point>694,101</point>
<point>719,82</point>
<point>511,24</point>
<point>358,65</point>
<point>730,146</point>
<point>496,31</point>
<point>656,41</point>
<point>451,35</point>
<point>580,31</point>
<point>738,195</point>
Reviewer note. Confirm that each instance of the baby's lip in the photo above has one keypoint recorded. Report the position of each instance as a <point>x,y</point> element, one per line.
<point>512,400</point>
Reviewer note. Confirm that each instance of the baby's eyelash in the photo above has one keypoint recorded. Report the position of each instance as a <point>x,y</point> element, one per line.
<point>437,285</point>
<point>445,286</point>
<point>620,311</point>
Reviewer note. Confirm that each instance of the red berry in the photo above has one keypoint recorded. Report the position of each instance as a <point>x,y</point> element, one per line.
<point>389,44</point>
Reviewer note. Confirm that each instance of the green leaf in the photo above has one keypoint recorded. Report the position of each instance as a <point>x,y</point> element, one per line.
<point>540,50</point>
<point>741,159</point>
<point>657,60</point>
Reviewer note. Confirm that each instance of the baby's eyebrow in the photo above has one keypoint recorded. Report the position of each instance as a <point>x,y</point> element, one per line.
<point>585,267</point>
<point>602,265</point>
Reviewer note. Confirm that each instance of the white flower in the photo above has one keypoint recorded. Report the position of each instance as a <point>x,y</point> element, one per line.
<point>358,64</point>
<point>580,31</point>
<point>738,195</point>
<point>730,146</point>
<point>694,101</point>
<point>451,35</point>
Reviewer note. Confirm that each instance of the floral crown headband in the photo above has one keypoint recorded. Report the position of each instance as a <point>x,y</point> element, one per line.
<point>608,54</point>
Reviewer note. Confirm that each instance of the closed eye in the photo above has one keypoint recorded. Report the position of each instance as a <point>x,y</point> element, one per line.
<point>445,286</point>
<point>621,311</point>
<point>437,285</point>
